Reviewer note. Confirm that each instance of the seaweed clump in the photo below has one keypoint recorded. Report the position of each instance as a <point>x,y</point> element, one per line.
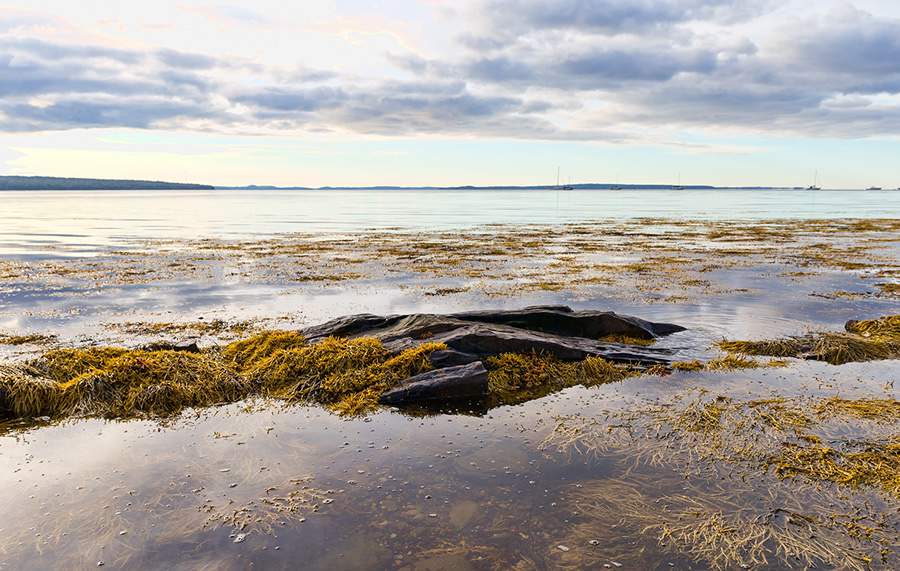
<point>879,410</point>
<point>875,464</point>
<point>244,353</point>
<point>113,382</point>
<point>347,375</point>
<point>518,377</point>
<point>869,340</point>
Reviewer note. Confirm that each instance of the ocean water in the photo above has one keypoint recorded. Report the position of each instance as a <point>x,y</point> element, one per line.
<point>87,222</point>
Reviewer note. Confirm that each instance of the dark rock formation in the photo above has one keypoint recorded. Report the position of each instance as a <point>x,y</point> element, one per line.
<point>451,383</point>
<point>561,320</point>
<point>186,346</point>
<point>473,336</point>
<point>555,330</point>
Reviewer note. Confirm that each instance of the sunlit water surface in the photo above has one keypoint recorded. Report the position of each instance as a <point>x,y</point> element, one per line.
<point>452,491</point>
<point>88,221</point>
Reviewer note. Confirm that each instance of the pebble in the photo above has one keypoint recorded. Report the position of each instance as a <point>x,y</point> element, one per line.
<point>562,547</point>
<point>239,538</point>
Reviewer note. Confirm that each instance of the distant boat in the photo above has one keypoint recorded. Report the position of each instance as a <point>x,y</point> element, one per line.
<point>815,184</point>
<point>565,187</point>
<point>874,188</point>
<point>679,187</point>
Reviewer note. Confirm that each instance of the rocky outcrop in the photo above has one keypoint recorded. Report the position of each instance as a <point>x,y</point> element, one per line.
<point>451,383</point>
<point>562,320</point>
<point>473,336</point>
<point>555,330</point>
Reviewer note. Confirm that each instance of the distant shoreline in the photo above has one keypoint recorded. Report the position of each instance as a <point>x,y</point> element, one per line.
<point>13,183</point>
<point>39,183</point>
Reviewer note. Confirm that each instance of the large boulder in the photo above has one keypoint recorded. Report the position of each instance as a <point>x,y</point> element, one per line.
<point>553,319</point>
<point>562,320</point>
<point>451,383</point>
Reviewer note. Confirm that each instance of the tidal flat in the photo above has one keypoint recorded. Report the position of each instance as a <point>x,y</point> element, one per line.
<point>770,439</point>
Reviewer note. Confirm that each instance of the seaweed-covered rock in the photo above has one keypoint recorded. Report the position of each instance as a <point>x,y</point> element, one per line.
<point>451,383</point>
<point>557,331</point>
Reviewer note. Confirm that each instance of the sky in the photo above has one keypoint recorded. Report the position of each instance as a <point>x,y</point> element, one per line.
<point>452,92</point>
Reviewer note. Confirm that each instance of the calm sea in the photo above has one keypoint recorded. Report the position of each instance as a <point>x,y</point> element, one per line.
<point>85,222</point>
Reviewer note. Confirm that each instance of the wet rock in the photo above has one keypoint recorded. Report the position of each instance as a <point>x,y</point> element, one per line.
<point>451,358</point>
<point>186,346</point>
<point>350,326</point>
<point>487,339</point>
<point>553,319</point>
<point>554,330</point>
<point>562,320</point>
<point>461,382</point>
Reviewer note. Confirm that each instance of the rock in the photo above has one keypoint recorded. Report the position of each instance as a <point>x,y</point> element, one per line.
<point>186,346</point>
<point>554,319</point>
<point>461,382</point>
<point>471,336</point>
<point>349,326</point>
<point>484,340</point>
<point>562,320</point>
<point>451,358</point>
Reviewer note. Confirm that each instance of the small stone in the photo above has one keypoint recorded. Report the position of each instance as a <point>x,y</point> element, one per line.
<point>594,542</point>
<point>239,538</point>
<point>562,548</point>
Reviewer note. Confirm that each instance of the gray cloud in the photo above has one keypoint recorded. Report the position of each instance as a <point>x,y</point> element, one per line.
<point>612,16</point>
<point>69,114</point>
<point>176,58</point>
<point>56,52</point>
<point>574,69</point>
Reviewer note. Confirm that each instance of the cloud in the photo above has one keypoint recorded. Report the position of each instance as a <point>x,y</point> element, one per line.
<point>852,42</point>
<point>68,114</point>
<point>573,69</point>
<point>174,58</point>
<point>612,16</point>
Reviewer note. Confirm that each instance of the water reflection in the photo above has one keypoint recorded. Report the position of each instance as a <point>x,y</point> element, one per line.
<point>454,490</point>
<point>71,221</point>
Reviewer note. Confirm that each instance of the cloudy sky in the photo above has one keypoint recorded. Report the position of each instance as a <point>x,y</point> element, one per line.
<point>728,92</point>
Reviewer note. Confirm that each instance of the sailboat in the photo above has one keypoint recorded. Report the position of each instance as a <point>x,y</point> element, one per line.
<point>815,184</point>
<point>616,186</point>
<point>566,187</point>
<point>679,187</point>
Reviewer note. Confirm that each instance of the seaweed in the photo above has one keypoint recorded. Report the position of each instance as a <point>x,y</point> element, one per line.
<point>517,377</point>
<point>870,340</point>
<point>875,464</point>
<point>247,352</point>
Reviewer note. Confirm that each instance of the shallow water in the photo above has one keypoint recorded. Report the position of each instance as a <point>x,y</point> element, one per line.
<point>86,222</point>
<point>461,489</point>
